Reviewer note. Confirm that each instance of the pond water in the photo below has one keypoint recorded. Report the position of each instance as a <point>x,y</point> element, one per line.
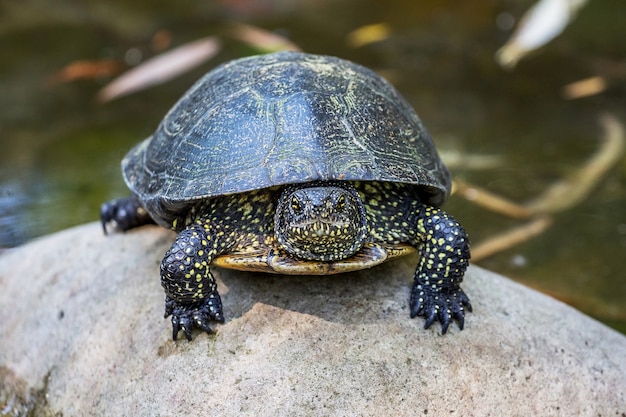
<point>60,149</point>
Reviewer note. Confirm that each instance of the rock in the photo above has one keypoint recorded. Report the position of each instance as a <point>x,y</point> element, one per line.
<point>82,334</point>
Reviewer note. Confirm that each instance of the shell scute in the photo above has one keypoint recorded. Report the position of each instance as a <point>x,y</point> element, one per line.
<point>277,119</point>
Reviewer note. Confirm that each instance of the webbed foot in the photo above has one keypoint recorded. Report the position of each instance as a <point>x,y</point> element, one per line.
<point>443,306</point>
<point>185,317</point>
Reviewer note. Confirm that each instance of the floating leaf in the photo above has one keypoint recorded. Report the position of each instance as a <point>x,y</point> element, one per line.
<point>541,23</point>
<point>262,39</point>
<point>584,88</point>
<point>368,34</point>
<point>161,68</point>
<point>86,70</point>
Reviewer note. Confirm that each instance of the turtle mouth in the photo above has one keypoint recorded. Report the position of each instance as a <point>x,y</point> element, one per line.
<point>321,225</point>
<point>316,229</point>
<point>321,240</point>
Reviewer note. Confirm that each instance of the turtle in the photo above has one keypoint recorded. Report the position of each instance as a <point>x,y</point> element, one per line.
<point>293,163</point>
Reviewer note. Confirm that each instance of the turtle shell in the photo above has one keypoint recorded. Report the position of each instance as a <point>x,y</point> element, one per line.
<point>277,119</point>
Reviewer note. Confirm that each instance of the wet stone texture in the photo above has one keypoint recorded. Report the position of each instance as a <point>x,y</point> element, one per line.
<point>82,326</point>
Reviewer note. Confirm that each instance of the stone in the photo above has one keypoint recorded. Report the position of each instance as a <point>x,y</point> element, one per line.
<point>82,334</point>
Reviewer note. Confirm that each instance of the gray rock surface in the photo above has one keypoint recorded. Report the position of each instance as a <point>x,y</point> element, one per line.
<point>82,334</point>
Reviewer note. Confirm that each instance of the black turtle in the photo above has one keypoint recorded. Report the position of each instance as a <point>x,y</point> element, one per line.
<point>293,163</point>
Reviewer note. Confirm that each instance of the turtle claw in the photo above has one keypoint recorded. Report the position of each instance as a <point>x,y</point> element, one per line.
<point>436,305</point>
<point>429,320</point>
<point>189,316</point>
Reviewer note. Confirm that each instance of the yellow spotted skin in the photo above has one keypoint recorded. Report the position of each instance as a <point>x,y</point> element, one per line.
<point>436,293</point>
<point>393,213</point>
<point>221,168</point>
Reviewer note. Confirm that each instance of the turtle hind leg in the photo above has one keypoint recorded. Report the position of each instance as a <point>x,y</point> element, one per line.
<point>444,250</point>
<point>123,214</point>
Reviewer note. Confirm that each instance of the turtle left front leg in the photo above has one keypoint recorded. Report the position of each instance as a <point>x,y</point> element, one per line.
<point>444,255</point>
<point>191,296</point>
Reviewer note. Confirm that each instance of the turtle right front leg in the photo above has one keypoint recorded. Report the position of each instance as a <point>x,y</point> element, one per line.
<point>123,214</point>
<point>191,296</point>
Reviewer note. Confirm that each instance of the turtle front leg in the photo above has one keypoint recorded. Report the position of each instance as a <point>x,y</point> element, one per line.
<point>191,296</point>
<point>444,255</point>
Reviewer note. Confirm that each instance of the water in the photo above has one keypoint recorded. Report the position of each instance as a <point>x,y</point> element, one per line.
<point>60,150</point>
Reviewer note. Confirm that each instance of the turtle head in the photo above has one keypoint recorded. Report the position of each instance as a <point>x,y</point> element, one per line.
<point>321,221</point>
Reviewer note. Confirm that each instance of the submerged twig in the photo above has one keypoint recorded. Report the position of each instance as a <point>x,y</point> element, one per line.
<point>510,238</point>
<point>491,201</point>
<point>569,192</point>
<point>562,195</point>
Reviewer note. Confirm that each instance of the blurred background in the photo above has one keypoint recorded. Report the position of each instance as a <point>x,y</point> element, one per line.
<point>525,101</point>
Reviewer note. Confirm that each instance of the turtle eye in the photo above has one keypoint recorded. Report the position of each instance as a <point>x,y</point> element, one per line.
<point>340,204</point>
<point>296,206</point>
